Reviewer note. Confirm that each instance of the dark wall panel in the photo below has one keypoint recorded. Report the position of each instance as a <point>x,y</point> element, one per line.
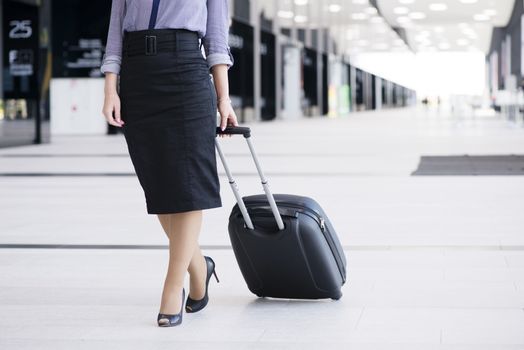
<point>359,88</point>
<point>20,50</point>
<point>325,102</point>
<point>513,28</point>
<point>79,37</point>
<point>268,75</point>
<point>21,64</point>
<point>309,73</point>
<point>241,74</point>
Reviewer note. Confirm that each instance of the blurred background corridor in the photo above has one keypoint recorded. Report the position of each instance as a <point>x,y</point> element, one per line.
<point>404,119</point>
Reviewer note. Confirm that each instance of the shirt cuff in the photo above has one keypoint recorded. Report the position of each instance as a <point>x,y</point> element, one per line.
<point>220,58</point>
<point>111,64</point>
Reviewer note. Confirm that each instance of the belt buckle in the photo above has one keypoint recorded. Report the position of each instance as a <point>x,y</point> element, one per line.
<point>150,45</point>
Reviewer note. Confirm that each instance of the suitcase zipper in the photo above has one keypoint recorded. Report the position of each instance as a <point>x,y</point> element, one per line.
<point>321,222</point>
<point>322,227</point>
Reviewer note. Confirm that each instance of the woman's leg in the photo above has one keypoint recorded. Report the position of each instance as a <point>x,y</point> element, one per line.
<point>197,267</point>
<point>183,230</point>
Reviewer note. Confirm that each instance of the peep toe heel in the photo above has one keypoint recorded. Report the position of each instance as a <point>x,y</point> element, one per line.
<point>173,319</point>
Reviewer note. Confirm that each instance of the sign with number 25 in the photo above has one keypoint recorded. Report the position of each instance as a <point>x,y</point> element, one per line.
<point>20,29</point>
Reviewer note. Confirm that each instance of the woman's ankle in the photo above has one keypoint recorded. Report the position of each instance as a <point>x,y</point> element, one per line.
<point>171,300</point>
<point>198,282</point>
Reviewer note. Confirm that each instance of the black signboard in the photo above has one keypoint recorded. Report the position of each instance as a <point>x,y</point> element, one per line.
<point>373,91</point>
<point>20,51</point>
<point>359,87</point>
<point>268,72</point>
<point>325,102</point>
<point>395,96</point>
<point>309,76</point>
<point>350,90</point>
<point>384,93</point>
<point>79,37</point>
<point>241,74</point>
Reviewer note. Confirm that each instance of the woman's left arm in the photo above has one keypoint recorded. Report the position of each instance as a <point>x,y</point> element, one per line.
<point>219,58</point>
<point>227,113</point>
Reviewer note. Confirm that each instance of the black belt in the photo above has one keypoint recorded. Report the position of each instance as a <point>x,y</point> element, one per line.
<point>151,41</point>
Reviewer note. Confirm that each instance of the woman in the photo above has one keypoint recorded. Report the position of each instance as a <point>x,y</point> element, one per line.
<point>168,114</point>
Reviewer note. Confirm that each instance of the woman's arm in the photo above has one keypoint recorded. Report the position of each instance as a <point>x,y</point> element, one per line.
<point>219,58</point>
<point>220,78</point>
<point>113,54</point>
<point>111,64</point>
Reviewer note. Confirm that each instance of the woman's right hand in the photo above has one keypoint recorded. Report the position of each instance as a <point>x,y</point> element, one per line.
<point>111,108</point>
<point>112,104</point>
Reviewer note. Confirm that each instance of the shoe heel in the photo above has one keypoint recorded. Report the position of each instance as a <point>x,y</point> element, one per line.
<point>215,274</point>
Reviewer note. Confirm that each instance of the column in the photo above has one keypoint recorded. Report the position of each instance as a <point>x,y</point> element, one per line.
<point>255,20</point>
<point>320,49</point>
<point>278,59</point>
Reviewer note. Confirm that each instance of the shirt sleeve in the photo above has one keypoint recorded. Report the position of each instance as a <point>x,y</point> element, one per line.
<point>113,54</point>
<point>217,32</point>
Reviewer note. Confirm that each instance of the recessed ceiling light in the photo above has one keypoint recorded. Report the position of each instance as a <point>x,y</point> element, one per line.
<point>481,17</point>
<point>462,42</point>
<point>376,19</point>
<point>417,15</point>
<point>401,10</point>
<point>403,19</point>
<point>300,19</point>
<point>471,34</point>
<point>490,12</point>
<point>468,1</point>
<point>359,16</point>
<point>444,46</point>
<point>334,8</point>
<point>371,10</point>
<point>362,42</point>
<point>350,35</point>
<point>285,14</point>
<point>381,46</point>
<point>360,2</point>
<point>301,2</point>
<point>428,48</point>
<point>438,29</point>
<point>438,6</point>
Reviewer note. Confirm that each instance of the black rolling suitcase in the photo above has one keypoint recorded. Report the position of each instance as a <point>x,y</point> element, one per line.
<point>284,244</point>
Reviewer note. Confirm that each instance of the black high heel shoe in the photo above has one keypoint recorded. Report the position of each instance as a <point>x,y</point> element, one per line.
<point>174,320</point>
<point>197,305</point>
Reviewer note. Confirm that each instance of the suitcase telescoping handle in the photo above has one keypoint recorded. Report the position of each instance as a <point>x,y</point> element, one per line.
<point>246,132</point>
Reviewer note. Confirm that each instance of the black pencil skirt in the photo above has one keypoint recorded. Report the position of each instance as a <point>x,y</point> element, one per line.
<point>169,107</point>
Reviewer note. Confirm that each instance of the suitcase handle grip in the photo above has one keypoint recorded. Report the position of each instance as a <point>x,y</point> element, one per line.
<point>235,130</point>
<point>271,200</point>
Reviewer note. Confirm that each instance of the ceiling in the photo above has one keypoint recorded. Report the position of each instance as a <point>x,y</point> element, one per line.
<point>447,25</point>
<point>355,25</point>
<point>430,25</point>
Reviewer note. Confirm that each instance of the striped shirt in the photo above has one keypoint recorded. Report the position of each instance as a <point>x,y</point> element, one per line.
<point>210,18</point>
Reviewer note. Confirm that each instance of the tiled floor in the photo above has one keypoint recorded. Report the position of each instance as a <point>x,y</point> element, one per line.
<point>433,262</point>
